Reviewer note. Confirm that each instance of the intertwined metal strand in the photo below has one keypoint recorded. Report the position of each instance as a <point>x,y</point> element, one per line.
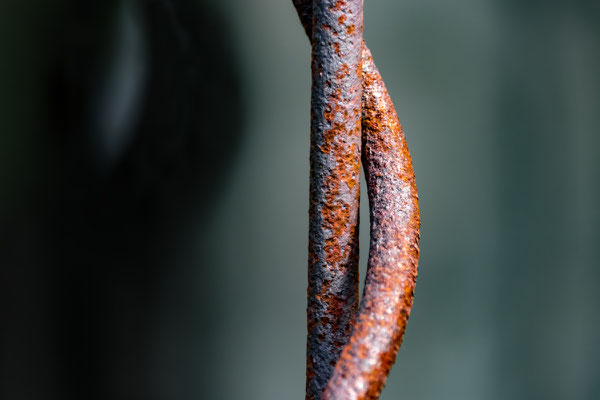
<point>361,370</point>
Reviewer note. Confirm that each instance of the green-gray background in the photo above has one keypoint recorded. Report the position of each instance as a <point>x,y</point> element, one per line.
<point>500,103</point>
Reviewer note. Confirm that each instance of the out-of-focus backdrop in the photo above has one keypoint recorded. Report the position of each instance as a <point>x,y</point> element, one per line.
<point>154,196</point>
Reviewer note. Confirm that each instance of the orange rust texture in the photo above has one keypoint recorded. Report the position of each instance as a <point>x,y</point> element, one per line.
<point>392,270</point>
<point>334,187</point>
<point>362,369</point>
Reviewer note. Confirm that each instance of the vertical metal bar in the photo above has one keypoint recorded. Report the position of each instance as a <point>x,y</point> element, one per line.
<point>393,258</point>
<point>334,185</point>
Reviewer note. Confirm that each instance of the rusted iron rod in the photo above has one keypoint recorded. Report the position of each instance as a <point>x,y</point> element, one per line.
<point>392,269</point>
<point>334,185</point>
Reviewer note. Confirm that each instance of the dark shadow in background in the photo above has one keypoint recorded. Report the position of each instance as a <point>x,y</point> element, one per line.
<point>127,130</point>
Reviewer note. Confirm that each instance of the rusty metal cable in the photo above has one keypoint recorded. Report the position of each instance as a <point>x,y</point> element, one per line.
<point>364,364</point>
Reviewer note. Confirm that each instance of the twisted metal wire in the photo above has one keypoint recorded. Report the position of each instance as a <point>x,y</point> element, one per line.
<point>350,353</point>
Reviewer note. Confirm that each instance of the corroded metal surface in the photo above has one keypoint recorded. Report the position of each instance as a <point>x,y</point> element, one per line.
<point>392,269</point>
<point>334,185</point>
<point>362,369</point>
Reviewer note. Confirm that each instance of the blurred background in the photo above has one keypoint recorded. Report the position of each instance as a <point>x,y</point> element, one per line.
<point>154,196</point>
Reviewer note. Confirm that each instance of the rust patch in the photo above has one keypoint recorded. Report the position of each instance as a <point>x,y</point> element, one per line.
<point>336,47</point>
<point>339,4</point>
<point>343,72</point>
